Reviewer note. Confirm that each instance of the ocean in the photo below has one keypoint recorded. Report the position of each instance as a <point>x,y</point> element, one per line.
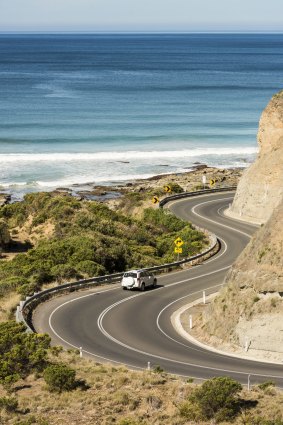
<point>107,108</point>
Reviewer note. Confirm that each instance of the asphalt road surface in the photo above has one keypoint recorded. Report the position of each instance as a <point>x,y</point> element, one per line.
<point>134,328</point>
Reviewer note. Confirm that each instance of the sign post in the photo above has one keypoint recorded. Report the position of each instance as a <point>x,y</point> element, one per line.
<point>204,180</point>
<point>178,243</point>
<point>178,251</point>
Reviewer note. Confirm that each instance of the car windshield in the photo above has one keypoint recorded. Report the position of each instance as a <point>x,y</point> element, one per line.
<point>130,274</point>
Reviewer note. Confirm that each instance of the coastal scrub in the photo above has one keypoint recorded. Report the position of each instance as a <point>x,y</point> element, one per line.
<point>67,239</point>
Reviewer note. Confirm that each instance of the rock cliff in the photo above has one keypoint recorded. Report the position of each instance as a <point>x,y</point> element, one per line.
<point>261,187</point>
<point>252,298</point>
<point>250,305</point>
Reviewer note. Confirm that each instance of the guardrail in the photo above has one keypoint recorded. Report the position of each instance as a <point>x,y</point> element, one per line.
<point>26,307</point>
<point>196,193</point>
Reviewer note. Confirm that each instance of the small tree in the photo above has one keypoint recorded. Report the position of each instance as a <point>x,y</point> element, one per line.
<point>20,353</point>
<point>60,377</point>
<point>9,404</point>
<point>215,399</point>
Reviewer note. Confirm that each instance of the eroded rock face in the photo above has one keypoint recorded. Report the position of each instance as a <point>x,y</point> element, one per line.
<point>254,285</point>
<point>260,266</point>
<point>261,186</point>
<point>253,290</point>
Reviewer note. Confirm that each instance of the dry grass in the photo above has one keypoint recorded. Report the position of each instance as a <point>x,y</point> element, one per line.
<point>8,306</point>
<point>116,394</point>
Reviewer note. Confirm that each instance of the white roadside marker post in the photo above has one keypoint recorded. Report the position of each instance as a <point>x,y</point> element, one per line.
<point>246,344</point>
<point>249,383</point>
<point>18,313</point>
<point>81,352</point>
<point>191,321</point>
<point>148,365</point>
<point>203,297</point>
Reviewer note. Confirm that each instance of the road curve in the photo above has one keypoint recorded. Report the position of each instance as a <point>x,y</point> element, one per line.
<point>134,328</point>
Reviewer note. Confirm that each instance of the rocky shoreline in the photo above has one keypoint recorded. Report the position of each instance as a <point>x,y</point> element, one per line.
<point>189,181</point>
<point>5,199</point>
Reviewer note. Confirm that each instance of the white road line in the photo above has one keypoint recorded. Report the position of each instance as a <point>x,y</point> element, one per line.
<point>193,210</point>
<point>68,302</point>
<point>169,305</point>
<point>102,315</point>
<point>216,222</point>
<point>145,353</point>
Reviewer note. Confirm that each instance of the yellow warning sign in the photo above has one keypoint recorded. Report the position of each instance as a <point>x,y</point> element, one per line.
<point>212,182</point>
<point>167,188</point>
<point>178,242</point>
<point>155,200</point>
<point>178,250</point>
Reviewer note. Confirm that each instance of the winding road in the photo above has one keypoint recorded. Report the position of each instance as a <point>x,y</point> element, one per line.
<point>134,328</point>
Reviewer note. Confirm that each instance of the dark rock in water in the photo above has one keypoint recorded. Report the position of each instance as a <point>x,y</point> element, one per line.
<point>129,184</point>
<point>124,162</point>
<point>163,165</point>
<point>158,177</point>
<point>97,194</point>
<point>82,184</point>
<point>63,189</point>
<point>197,163</point>
<point>199,167</point>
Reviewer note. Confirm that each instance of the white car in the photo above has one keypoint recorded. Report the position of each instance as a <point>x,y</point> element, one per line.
<point>138,279</point>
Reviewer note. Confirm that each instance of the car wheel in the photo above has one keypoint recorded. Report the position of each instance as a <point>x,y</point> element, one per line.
<point>142,287</point>
<point>125,288</point>
<point>154,283</point>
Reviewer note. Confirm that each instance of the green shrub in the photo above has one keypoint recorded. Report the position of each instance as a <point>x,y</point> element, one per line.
<point>64,272</point>
<point>176,188</point>
<point>9,404</point>
<point>167,221</point>
<point>60,377</point>
<point>21,353</point>
<point>90,268</point>
<point>89,240</point>
<point>56,350</point>
<point>28,288</point>
<point>5,237</point>
<point>158,369</point>
<point>214,399</point>
<point>265,385</point>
